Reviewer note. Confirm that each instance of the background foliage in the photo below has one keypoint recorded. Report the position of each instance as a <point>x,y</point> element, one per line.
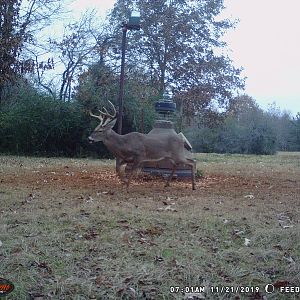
<point>179,48</point>
<point>245,128</point>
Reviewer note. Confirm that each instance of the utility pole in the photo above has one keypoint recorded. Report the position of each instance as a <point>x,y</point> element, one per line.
<point>132,24</point>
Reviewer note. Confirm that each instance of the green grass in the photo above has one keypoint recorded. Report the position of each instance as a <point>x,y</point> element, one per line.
<point>64,241</point>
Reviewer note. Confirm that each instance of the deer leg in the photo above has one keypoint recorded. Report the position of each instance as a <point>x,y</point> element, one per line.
<point>134,166</point>
<point>192,163</point>
<point>121,162</point>
<point>193,170</point>
<point>193,175</point>
<point>172,173</point>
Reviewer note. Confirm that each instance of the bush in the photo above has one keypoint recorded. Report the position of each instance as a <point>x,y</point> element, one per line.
<point>248,134</point>
<point>33,123</point>
<point>253,136</point>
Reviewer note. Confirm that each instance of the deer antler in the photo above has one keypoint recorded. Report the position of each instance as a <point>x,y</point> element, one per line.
<point>104,117</point>
<point>107,114</point>
<point>115,112</point>
<point>97,117</point>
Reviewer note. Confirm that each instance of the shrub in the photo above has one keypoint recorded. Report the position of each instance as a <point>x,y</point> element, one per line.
<point>33,123</point>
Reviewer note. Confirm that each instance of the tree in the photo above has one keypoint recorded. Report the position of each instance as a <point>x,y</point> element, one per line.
<point>243,128</point>
<point>100,83</point>
<point>295,131</point>
<point>79,46</point>
<point>19,23</point>
<point>282,123</point>
<point>246,129</point>
<point>96,85</point>
<point>240,105</point>
<point>176,49</point>
<point>10,41</point>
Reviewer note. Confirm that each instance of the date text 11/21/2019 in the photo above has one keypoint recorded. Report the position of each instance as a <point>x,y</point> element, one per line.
<point>215,289</point>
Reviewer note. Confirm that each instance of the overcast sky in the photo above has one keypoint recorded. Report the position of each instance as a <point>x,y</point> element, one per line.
<point>266,43</point>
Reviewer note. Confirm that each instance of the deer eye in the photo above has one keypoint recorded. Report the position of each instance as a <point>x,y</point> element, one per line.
<point>98,129</point>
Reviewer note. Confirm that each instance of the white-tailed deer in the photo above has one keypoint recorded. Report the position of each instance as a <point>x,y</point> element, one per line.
<point>136,148</point>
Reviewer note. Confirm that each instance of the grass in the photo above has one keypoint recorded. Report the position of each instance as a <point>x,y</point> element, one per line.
<point>69,230</point>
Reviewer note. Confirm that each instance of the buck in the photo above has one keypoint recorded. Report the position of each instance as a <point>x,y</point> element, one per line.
<point>136,148</point>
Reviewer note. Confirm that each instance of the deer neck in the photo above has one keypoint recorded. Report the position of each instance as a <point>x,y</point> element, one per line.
<point>114,142</point>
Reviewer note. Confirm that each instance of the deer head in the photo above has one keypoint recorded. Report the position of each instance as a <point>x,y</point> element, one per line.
<point>107,122</point>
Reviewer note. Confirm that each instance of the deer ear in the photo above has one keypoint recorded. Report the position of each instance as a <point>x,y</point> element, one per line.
<point>111,124</point>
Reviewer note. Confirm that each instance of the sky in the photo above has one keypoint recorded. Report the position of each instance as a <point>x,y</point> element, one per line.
<point>265,42</point>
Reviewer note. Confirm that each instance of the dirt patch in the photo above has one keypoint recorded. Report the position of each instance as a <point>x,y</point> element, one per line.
<point>90,177</point>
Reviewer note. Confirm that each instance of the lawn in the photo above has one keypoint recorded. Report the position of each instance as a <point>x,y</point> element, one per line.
<point>70,230</point>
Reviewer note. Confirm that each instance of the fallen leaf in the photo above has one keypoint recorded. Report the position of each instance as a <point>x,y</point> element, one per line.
<point>286,226</point>
<point>238,232</point>
<point>158,259</point>
<point>284,221</point>
<point>143,240</point>
<point>278,246</point>
<point>247,242</point>
<point>167,208</point>
<point>90,235</point>
<point>126,238</point>
<point>89,199</point>
<point>175,264</point>
<point>132,290</point>
<point>281,283</point>
<point>122,221</point>
<point>153,230</point>
<point>193,296</point>
<point>105,193</point>
<point>289,259</point>
<point>128,279</point>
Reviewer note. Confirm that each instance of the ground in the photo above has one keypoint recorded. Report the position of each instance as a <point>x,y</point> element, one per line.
<point>70,230</point>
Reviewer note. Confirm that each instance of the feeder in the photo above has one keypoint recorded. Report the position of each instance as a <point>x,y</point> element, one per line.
<point>166,108</point>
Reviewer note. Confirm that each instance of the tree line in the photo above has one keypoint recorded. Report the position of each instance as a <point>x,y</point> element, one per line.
<point>245,128</point>
<point>48,84</point>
